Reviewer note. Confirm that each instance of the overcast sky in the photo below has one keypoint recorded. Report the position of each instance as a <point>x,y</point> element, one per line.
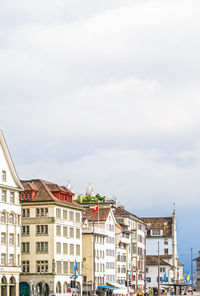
<point>107,91</point>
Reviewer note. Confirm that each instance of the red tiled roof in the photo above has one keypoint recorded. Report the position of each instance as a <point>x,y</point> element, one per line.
<point>44,191</point>
<point>164,223</point>
<point>120,211</point>
<point>103,214</point>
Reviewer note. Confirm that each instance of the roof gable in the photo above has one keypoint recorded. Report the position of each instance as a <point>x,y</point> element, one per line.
<point>7,164</point>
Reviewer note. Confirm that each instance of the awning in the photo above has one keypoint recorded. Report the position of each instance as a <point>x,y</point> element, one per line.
<point>108,287</point>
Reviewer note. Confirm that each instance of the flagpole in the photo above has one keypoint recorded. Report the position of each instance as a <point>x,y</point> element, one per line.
<point>98,212</point>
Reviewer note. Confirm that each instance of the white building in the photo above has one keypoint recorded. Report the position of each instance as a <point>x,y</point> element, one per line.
<point>10,221</point>
<point>152,271</point>
<point>51,238</point>
<point>162,230</point>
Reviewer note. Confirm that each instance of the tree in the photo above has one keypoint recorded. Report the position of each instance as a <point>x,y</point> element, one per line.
<point>91,199</point>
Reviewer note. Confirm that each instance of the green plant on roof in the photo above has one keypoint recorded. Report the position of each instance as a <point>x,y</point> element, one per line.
<point>91,199</point>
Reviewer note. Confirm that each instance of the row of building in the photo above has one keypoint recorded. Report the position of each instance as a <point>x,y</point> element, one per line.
<point>45,232</point>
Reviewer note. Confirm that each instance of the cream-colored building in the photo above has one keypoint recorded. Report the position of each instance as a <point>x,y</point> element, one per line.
<point>51,239</point>
<point>123,253</point>
<point>10,221</point>
<point>136,263</point>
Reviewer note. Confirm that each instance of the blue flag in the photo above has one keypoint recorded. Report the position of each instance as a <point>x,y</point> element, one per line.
<point>75,270</point>
<point>164,279</point>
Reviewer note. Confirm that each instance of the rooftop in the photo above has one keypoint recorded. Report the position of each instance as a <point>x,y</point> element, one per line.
<point>164,223</point>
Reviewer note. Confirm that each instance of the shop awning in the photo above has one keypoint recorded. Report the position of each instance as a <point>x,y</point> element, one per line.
<point>108,287</point>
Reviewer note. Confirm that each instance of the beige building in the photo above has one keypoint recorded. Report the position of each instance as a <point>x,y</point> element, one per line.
<point>10,221</point>
<point>51,238</point>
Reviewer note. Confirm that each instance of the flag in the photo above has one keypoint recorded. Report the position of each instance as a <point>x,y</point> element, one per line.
<point>75,270</point>
<point>164,279</point>
<point>96,207</point>
<point>187,278</point>
<point>131,274</point>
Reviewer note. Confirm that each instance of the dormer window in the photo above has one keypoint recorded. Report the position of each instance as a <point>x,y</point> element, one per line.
<point>156,232</point>
<point>4,176</point>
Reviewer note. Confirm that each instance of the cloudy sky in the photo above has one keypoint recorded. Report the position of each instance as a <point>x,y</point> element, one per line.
<point>107,92</point>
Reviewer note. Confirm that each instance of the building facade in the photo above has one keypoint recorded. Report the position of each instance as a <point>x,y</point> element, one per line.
<point>136,227</point>
<point>161,233</point>
<point>98,247</point>
<point>198,272</point>
<point>51,239</point>
<point>10,224</point>
<point>152,271</point>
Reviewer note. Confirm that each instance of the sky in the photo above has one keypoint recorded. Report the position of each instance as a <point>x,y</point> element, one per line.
<point>107,92</point>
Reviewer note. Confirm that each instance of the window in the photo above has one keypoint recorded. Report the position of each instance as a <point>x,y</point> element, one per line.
<point>18,238</point>
<point>3,217</point>
<point>166,251</point>
<point>25,266</point>
<point>71,267</point>
<point>12,200</point>
<point>71,231</point>
<point>11,259</point>
<point>42,247</point>
<point>3,258</point>
<point>41,229</point>
<point>65,267</point>
<point>58,213</point>
<point>58,230</point>
<point>64,214</point>
<point>77,233</point>
<point>58,264</point>
<point>78,250</point>
<point>71,216</point>
<point>25,247</point>
<point>65,248</point>
<point>65,231</point>
<point>42,266</point>
<point>3,238</point>
<point>71,246</point>
<point>3,195</point>
<point>41,212</point>
<point>156,232</point>
<point>58,248</point>
<point>78,217</point>
<point>4,176</point>
<point>25,230</point>
<point>11,239</point>
<point>166,241</point>
<point>162,269</point>
<point>11,218</point>
<point>147,269</point>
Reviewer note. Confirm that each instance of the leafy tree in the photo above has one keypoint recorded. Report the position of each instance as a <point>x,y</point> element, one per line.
<point>91,199</point>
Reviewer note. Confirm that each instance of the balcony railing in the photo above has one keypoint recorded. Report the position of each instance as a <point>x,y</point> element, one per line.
<point>97,230</point>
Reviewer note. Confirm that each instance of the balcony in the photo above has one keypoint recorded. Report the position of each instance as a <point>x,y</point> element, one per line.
<point>97,230</point>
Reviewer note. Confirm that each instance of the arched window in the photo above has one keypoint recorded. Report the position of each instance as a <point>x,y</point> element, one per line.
<point>11,218</point>
<point>65,287</point>
<point>3,217</point>
<point>58,287</point>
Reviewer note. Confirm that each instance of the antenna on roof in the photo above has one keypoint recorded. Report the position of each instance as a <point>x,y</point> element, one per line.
<point>174,207</point>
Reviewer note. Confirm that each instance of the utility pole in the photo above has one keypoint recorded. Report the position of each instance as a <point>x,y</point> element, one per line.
<point>192,269</point>
<point>94,288</point>
<point>158,269</point>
